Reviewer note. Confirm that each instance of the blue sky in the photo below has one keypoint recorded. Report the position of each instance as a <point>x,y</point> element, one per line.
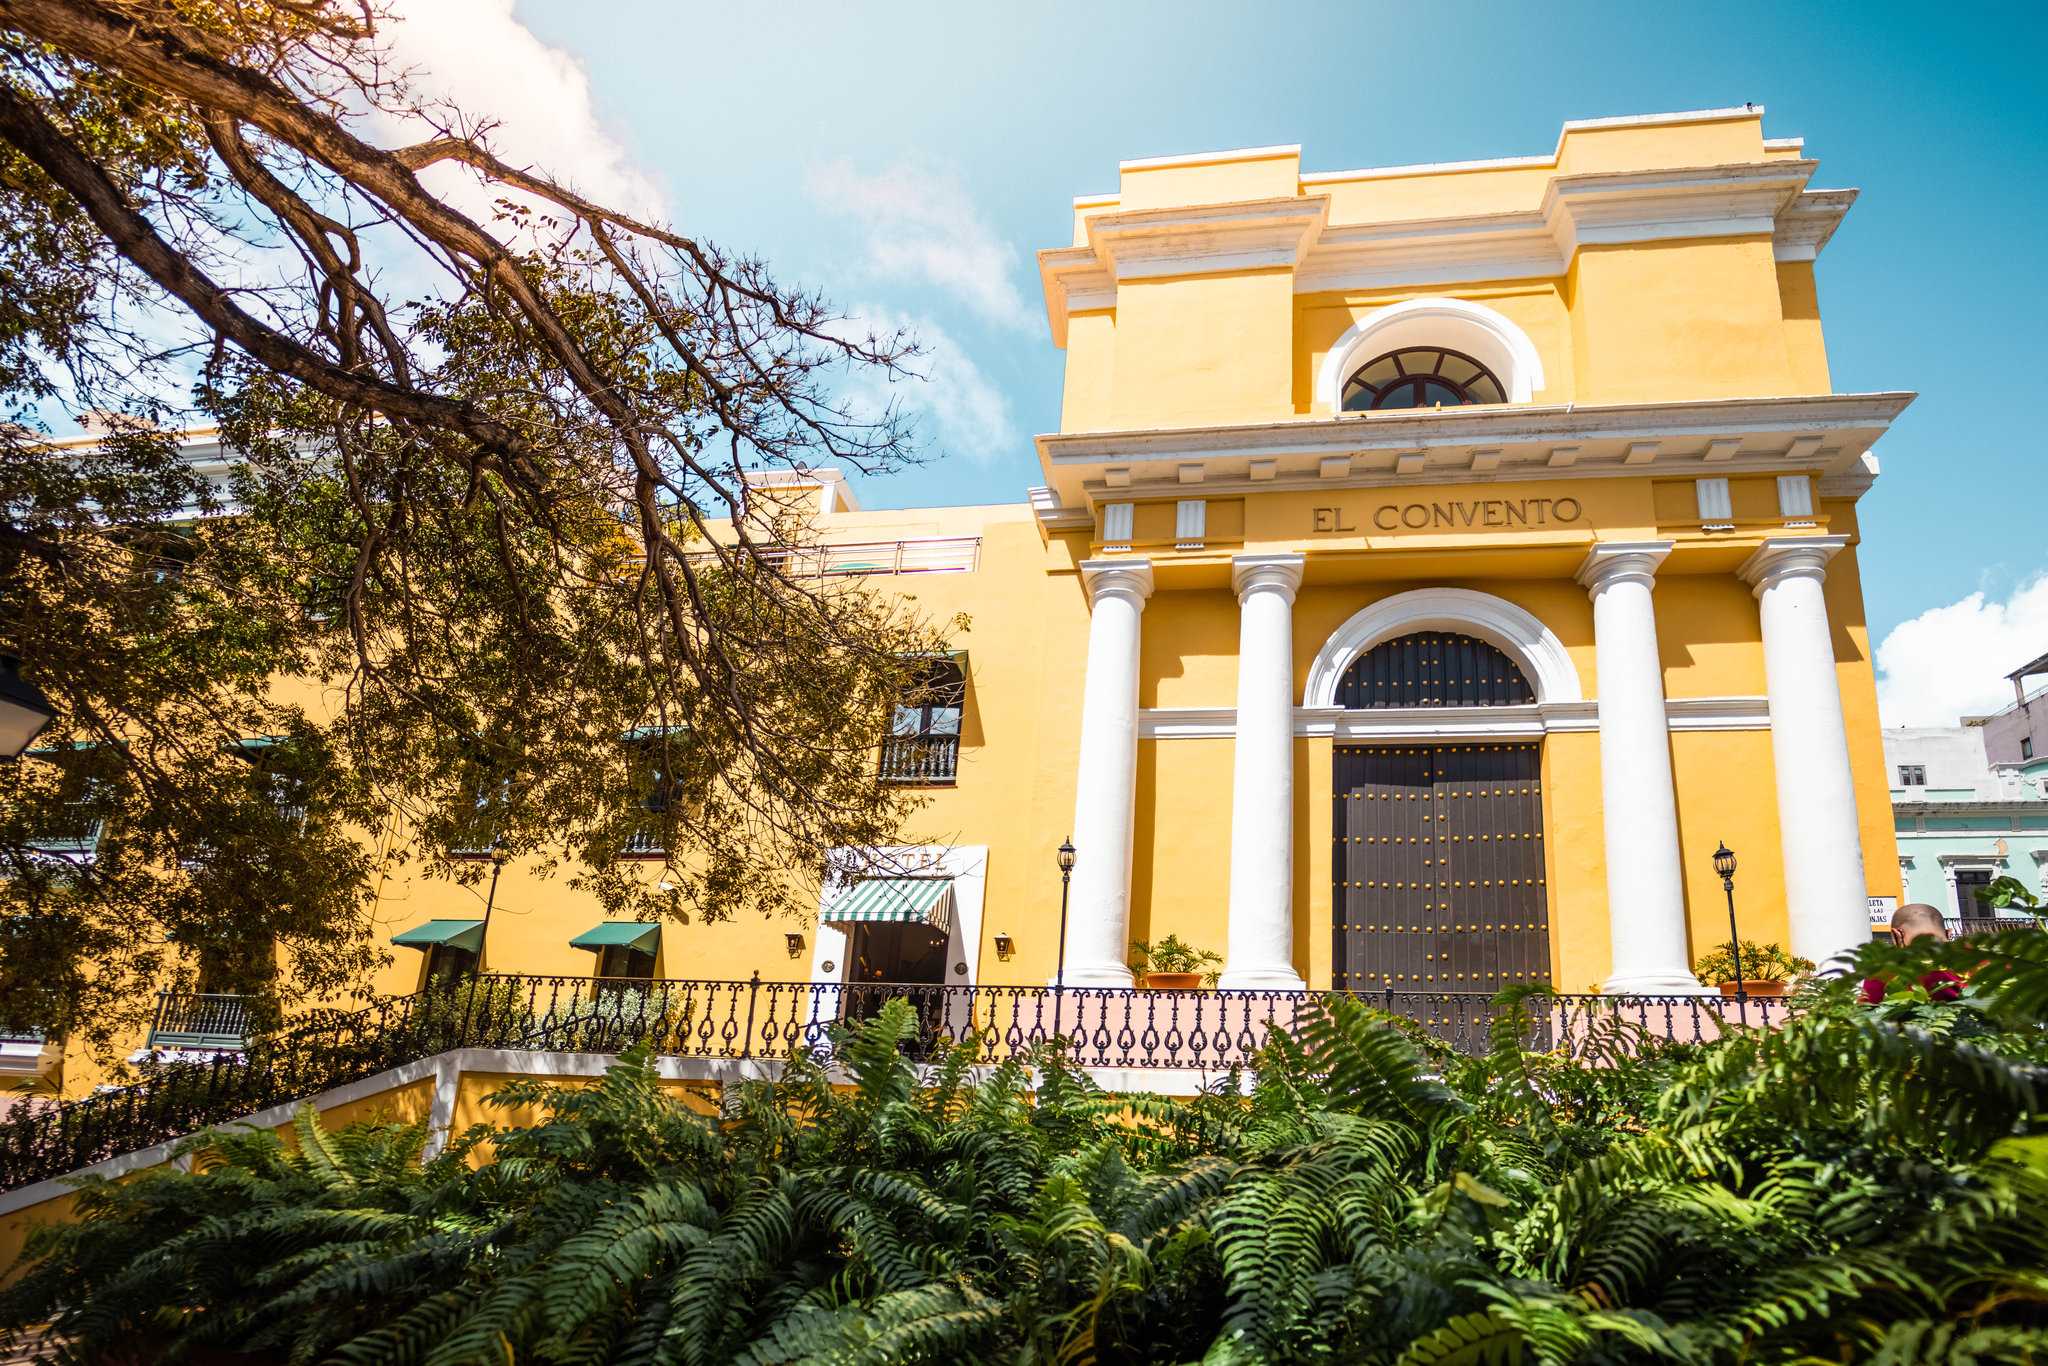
<point>818,135</point>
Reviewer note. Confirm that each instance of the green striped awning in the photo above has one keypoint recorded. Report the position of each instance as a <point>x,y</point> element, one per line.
<point>607,934</point>
<point>456,934</point>
<point>928,900</point>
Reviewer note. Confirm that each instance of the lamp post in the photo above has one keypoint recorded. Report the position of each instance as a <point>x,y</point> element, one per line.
<point>1059,981</point>
<point>24,711</point>
<point>499,858</point>
<point>1724,864</point>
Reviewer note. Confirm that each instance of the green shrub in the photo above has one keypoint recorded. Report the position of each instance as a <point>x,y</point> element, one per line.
<point>1859,1185</point>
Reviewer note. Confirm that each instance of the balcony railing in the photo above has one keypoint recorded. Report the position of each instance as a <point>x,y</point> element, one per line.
<point>199,1019</point>
<point>1960,926</point>
<point>920,758</point>
<point>1204,1033</point>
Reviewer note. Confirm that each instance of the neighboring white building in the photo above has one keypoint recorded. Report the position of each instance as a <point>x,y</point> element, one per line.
<point>1963,821</point>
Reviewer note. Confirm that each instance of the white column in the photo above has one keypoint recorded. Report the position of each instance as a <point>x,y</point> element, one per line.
<point>1106,780</point>
<point>1824,885</point>
<point>1645,879</point>
<point>1260,953</point>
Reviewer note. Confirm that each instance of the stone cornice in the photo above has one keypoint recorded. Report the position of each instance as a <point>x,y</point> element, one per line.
<point>1207,239</point>
<point>1828,435</point>
<point>1807,224</point>
<point>1761,198</point>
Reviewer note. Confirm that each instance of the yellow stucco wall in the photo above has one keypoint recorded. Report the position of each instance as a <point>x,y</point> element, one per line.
<point>1654,321</point>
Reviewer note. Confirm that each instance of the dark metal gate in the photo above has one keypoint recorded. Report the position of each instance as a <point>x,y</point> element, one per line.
<point>1439,868</point>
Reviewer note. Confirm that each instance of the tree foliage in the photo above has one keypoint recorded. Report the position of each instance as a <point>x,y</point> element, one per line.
<point>1857,1185</point>
<point>485,554</point>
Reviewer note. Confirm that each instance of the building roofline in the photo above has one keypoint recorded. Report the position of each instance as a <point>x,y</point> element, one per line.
<point>1211,158</point>
<point>2036,665</point>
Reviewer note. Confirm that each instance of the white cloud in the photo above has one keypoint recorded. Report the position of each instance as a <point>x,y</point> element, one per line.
<point>1951,661</point>
<point>920,225</point>
<point>475,56</point>
<point>959,409</point>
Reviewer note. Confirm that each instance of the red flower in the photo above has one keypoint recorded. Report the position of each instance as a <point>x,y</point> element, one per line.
<point>1873,991</point>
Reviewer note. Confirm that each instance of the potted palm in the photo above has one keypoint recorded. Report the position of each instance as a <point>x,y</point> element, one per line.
<point>1173,965</point>
<point>1767,969</point>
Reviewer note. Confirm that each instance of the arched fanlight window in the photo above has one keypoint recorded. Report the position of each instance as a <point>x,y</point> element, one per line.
<point>1434,669</point>
<point>1421,377</point>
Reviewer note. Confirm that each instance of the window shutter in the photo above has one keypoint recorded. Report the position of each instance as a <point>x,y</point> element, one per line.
<point>1190,523</point>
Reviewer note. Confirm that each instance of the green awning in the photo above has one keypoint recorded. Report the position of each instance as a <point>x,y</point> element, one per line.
<point>456,934</point>
<point>928,900</point>
<point>632,934</point>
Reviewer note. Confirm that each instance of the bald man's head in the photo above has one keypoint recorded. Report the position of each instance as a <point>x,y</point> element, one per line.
<point>1918,920</point>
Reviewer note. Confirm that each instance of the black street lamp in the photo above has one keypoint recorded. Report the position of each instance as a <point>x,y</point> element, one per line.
<point>499,858</point>
<point>1724,864</point>
<point>24,711</point>
<point>1059,981</point>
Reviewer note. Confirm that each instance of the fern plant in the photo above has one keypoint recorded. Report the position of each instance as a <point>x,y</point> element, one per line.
<point>1860,1184</point>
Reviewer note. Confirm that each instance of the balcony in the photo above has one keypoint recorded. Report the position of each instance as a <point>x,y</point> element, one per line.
<point>199,1020</point>
<point>921,760</point>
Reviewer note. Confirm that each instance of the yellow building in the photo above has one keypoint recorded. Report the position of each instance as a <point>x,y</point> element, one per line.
<point>1433,564</point>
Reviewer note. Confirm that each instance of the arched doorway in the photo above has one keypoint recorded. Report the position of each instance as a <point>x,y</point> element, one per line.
<point>1438,847</point>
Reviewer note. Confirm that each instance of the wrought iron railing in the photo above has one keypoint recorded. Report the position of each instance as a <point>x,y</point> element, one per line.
<point>920,758</point>
<point>199,1019</point>
<point>1959,926</point>
<point>1207,1032</point>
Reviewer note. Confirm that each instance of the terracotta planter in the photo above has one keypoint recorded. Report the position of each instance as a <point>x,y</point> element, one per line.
<point>1173,981</point>
<point>1756,988</point>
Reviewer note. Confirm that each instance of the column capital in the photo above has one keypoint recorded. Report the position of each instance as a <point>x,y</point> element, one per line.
<point>1789,557</point>
<point>1612,562</point>
<point>1280,573</point>
<point>1127,579</point>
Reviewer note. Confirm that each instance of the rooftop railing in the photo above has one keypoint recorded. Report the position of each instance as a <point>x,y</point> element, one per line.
<point>1206,1033</point>
<point>912,555</point>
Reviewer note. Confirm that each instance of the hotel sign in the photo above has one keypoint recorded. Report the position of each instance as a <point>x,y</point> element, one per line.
<point>1480,514</point>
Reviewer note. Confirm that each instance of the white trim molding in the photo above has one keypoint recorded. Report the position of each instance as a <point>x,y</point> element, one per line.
<point>1826,435</point>
<point>1488,336</point>
<point>1456,723</point>
<point>1497,621</point>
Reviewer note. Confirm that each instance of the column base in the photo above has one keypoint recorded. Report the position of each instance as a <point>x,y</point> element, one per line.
<point>1261,979</point>
<point>1656,984</point>
<point>1099,975</point>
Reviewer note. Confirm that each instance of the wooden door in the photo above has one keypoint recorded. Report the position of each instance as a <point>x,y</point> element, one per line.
<point>1439,877</point>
